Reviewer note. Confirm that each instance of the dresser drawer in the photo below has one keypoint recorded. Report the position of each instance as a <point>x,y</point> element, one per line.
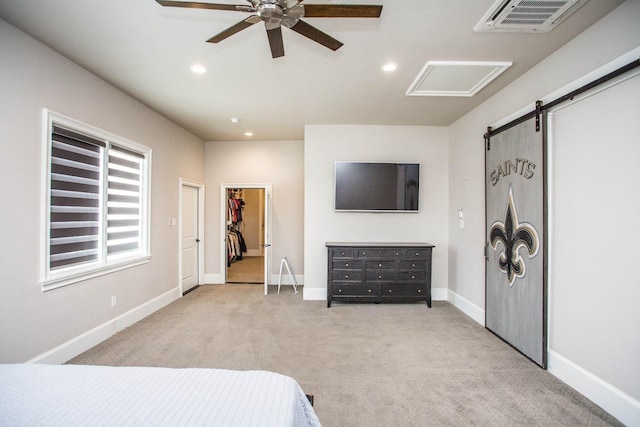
<point>416,264</point>
<point>352,275</point>
<point>347,264</point>
<point>412,276</point>
<point>343,252</point>
<point>381,275</point>
<point>417,253</point>
<point>380,264</point>
<point>347,289</point>
<point>404,290</point>
<point>389,253</point>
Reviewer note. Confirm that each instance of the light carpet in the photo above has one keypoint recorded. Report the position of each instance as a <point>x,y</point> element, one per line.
<point>366,364</point>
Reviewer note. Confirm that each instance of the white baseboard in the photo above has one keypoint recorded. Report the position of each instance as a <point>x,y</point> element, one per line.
<point>314,294</point>
<point>213,279</point>
<point>95,336</point>
<point>466,306</point>
<point>439,294</point>
<point>619,404</point>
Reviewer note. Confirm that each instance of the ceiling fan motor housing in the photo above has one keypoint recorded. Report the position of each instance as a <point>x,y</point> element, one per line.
<point>278,12</point>
<point>270,12</point>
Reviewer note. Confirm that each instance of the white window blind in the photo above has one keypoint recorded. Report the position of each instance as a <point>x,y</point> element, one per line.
<point>97,194</point>
<point>76,181</point>
<point>124,203</point>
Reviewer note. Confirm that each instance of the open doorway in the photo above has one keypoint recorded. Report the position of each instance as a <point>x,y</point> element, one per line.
<point>246,242</point>
<point>245,238</point>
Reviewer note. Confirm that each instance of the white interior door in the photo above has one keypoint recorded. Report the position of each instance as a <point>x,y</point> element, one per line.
<point>189,237</point>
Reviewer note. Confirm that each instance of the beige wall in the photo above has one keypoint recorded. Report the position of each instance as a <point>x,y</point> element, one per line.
<point>33,77</point>
<point>278,163</point>
<point>324,145</point>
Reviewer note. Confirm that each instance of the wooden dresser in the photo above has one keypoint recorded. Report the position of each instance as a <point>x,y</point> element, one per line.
<point>379,272</point>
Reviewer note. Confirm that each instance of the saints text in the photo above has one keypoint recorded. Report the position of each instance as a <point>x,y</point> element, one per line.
<point>520,166</point>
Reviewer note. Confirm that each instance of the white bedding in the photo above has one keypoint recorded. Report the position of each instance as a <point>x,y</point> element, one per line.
<point>79,395</point>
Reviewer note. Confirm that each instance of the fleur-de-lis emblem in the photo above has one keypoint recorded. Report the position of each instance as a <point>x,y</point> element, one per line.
<point>513,235</point>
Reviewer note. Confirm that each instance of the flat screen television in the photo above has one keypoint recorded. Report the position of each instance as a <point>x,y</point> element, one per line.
<point>376,187</point>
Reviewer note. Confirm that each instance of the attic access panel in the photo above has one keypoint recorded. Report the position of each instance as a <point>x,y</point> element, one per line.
<point>455,78</point>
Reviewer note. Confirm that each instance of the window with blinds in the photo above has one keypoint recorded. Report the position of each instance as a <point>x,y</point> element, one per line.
<point>97,202</point>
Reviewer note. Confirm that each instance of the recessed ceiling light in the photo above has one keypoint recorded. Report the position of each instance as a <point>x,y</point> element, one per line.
<point>235,119</point>
<point>198,69</point>
<point>389,66</point>
<point>248,134</point>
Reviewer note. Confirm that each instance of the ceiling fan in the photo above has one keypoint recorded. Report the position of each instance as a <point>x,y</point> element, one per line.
<point>278,13</point>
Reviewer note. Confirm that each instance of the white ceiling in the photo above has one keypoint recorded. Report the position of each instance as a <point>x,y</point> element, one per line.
<point>146,50</point>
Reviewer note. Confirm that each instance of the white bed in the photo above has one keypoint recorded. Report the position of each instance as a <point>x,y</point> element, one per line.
<point>80,395</point>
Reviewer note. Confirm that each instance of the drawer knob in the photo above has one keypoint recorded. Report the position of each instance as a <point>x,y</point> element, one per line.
<point>346,265</point>
<point>364,253</point>
<point>417,253</point>
<point>413,277</point>
<point>379,277</point>
<point>380,264</point>
<point>339,291</point>
<point>346,276</point>
<point>413,265</point>
<point>390,291</point>
<point>369,291</point>
<point>419,291</point>
<point>397,253</point>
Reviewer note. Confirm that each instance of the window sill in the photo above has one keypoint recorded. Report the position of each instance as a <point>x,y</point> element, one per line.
<point>58,282</point>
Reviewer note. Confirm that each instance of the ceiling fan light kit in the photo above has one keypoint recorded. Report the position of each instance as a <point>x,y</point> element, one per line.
<point>288,13</point>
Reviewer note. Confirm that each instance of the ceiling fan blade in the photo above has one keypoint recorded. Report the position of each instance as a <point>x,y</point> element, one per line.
<point>342,11</point>
<point>275,41</point>
<point>316,35</point>
<point>198,5</point>
<point>236,28</point>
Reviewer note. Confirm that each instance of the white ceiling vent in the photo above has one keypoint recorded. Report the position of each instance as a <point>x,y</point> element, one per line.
<point>537,16</point>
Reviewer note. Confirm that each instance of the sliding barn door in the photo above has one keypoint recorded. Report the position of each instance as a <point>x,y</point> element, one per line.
<point>515,307</point>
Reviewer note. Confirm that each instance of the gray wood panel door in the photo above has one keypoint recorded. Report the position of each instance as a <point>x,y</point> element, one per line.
<point>515,308</point>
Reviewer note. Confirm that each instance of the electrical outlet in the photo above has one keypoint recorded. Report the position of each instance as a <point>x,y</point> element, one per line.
<point>114,301</point>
